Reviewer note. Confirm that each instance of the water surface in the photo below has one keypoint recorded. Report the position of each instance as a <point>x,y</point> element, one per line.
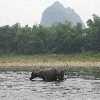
<point>17,86</point>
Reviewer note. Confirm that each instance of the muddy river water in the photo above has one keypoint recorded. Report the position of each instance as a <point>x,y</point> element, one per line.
<point>17,86</point>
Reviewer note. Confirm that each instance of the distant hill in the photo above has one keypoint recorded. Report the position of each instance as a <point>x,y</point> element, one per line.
<point>58,13</point>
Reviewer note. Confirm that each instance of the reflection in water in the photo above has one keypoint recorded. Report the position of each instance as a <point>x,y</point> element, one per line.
<point>17,86</point>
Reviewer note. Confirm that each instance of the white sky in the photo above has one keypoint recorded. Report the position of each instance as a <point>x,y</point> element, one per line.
<point>29,11</point>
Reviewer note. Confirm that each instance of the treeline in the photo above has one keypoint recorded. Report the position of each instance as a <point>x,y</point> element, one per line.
<point>60,38</point>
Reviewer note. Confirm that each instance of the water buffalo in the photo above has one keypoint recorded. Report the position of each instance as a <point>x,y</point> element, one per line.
<point>48,75</point>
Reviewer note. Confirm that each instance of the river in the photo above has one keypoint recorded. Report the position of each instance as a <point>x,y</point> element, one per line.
<point>17,86</point>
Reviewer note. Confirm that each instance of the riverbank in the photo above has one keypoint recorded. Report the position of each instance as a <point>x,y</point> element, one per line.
<point>29,62</point>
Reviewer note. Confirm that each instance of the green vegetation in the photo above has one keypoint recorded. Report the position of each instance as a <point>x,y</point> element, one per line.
<point>88,56</point>
<point>58,39</point>
<point>53,60</point>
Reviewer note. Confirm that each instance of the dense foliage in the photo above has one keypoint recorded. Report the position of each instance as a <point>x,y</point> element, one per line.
<point>60,38</point>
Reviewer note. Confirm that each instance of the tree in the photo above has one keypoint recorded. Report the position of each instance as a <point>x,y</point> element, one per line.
<point>93,34</point>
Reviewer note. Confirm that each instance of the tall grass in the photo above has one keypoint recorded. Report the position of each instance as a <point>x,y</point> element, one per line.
<point>13,61</point>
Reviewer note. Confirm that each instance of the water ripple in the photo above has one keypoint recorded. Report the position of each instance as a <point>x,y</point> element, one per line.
<point>17,86</point>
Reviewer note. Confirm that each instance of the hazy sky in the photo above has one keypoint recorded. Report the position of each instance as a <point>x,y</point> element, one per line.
<point>29,11</point>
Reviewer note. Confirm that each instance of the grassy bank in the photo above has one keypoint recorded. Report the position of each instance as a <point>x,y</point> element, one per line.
<point>74,64</point>
<point>29,62</point>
